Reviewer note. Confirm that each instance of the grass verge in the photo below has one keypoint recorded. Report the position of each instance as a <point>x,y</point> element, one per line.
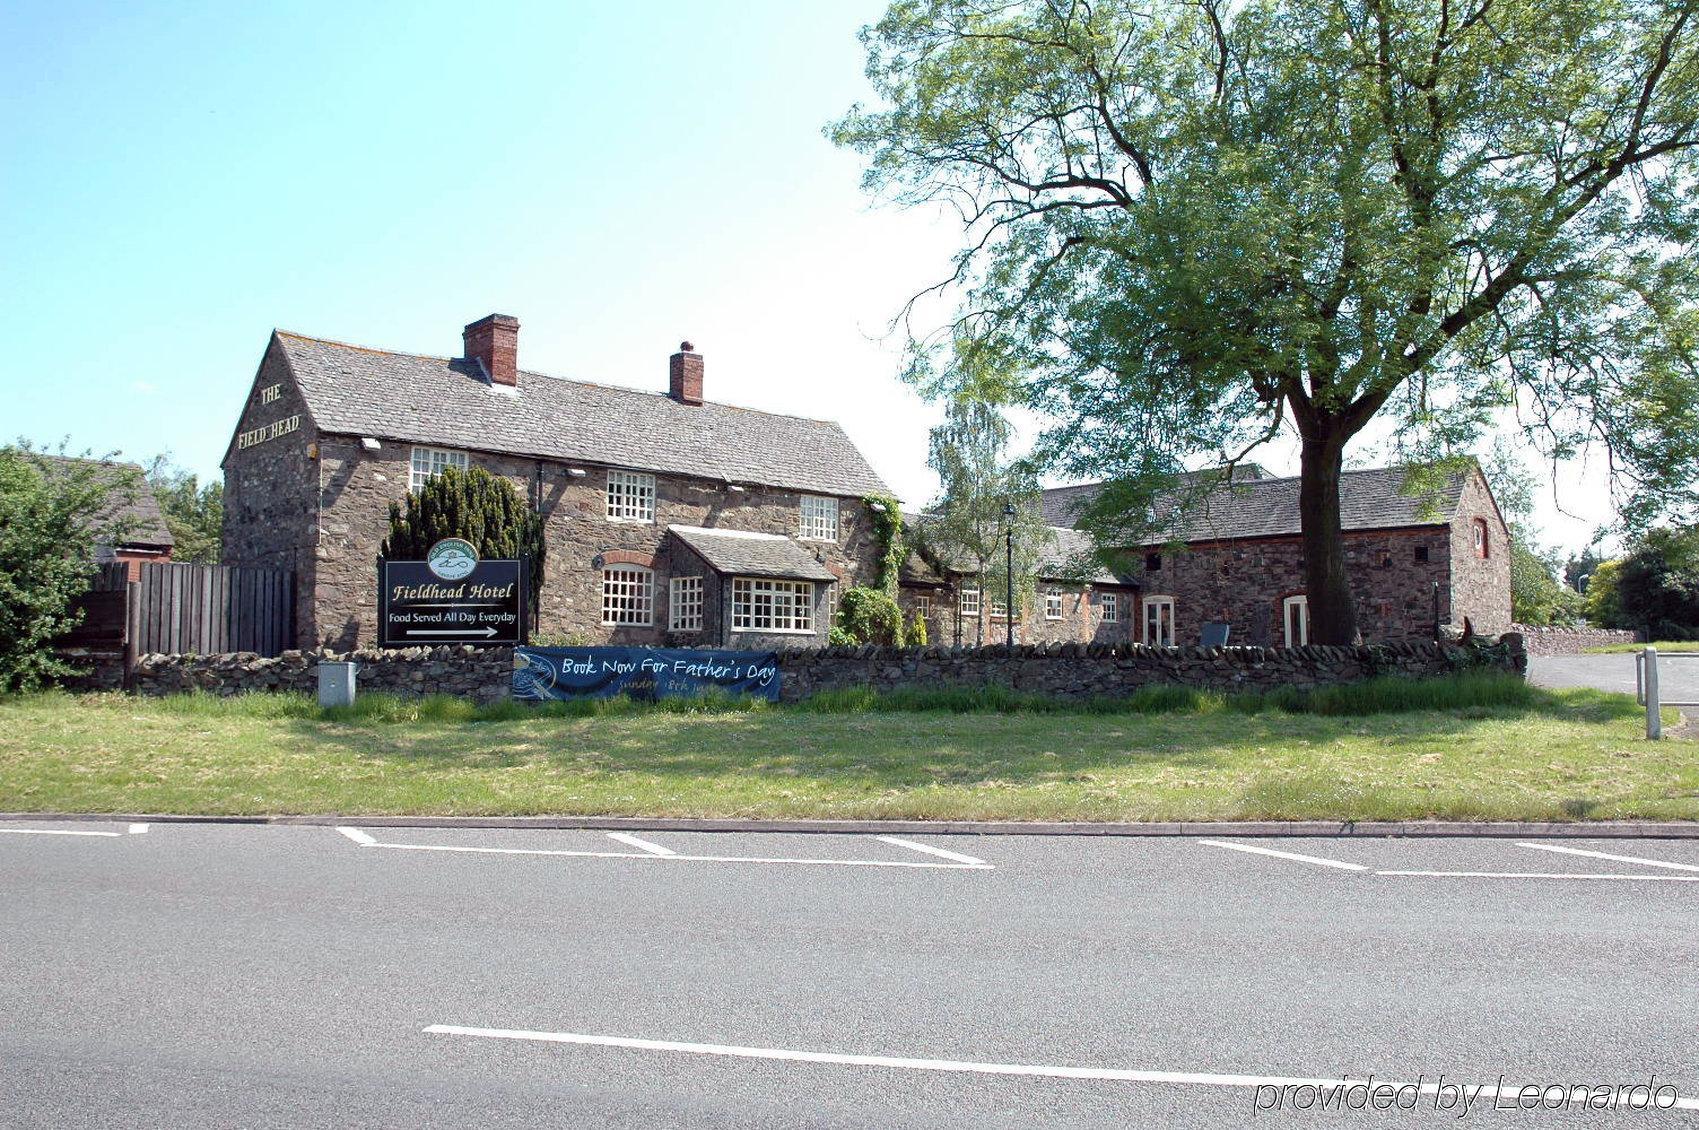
<point>1470,747</point>
<point>1636,648</point>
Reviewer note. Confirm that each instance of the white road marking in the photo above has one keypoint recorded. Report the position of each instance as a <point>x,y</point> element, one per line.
<point>1286,855</point>
<point>684,858</point>
<point>641,844</point>
<point>1614,858</point>
<point>358,836</point>
<point>1047,1071</point>
<point>1544,875</point>
<point>930,850</point>
<point>137,829</point>
<point>53,832</point>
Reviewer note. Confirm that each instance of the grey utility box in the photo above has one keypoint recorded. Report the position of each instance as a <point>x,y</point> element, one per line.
<point>336,684</point>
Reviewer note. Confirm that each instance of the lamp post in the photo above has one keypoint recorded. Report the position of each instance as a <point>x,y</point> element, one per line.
<point>1009,574</point>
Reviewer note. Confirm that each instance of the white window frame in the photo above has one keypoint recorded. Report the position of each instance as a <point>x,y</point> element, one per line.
<point>1111,604</point>
<point>628,596</point>
<point>923,606</point>
<point>426,463</point>
<point>631,497</point>
<point>969,600</point>
<point>1483,546</point>
<point>819,518</point>
<point>1052,604</point>
<point>1302,603</point>
<point>684,604</point>
<point>999,610</point>
<point>762,604</point>
<point>1153,632</point>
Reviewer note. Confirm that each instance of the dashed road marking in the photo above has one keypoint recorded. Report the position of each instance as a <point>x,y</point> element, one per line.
<point>1640,859</point>
<point>53,832</point>
<point>640,843</point>
<point>358,836</point>
<point>137,829</point>
<point>1343,866</point>
<point>1544,875</point>
<point>930,850</point>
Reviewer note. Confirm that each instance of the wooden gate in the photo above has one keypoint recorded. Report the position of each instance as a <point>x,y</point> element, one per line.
<point>208,609</point>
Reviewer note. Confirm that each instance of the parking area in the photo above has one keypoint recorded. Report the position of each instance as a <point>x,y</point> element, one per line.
<point>355,975</point>
<point>1678,676</point>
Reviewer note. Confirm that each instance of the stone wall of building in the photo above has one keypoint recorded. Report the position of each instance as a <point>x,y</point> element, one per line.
<point>1082,619</point>
<point>1480,585</point>
<point>1571,641</point>
<point>271,486</point>
<point>1068,670</point>
<point>359,485</point>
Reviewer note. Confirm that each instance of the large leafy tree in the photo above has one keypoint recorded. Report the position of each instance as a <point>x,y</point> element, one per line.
<point>1200,224</point>
<point>967,527</point>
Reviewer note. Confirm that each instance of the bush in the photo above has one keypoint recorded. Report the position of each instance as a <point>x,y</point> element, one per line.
<point>870,616</point>
<point>475,505</point>
<point>1536,596</point>
<point>1603,604</point>
<point>51,517</point>
<point>917,636</point>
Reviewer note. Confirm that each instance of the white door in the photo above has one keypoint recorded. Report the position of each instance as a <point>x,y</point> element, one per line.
<point>1295,613</point>
<point>1159,621</point>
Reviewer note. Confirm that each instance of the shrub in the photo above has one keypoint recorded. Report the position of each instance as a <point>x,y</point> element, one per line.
<point>1658,584</point>
<point>917,636</point>
<point>475,505</point>
<point>870,616</point>
<point>51,517</point>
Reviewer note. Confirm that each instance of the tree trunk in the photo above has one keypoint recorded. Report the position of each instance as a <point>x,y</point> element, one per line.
<point>1333,614</point>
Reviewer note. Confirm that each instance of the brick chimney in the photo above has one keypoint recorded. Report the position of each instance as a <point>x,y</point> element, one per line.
<point>493,342</point>
<point>685,373</point>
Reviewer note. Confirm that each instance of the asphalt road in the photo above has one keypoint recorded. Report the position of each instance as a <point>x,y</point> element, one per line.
<point>203,975</point>
<point>1678,675</point>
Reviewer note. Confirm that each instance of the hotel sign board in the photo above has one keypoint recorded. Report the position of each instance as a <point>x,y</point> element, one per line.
<point>452,597</point>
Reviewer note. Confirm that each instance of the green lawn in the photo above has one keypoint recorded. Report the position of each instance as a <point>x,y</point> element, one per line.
<point>1545,756</point>
<point>1626,648</point>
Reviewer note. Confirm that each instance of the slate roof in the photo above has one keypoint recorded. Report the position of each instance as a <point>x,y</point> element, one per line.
<point>1371,499</point>
<point>136,511</point>
<point>447,402</point>
<point>746,554</point>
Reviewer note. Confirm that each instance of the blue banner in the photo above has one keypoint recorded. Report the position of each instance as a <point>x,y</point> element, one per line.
<point>541,674</point>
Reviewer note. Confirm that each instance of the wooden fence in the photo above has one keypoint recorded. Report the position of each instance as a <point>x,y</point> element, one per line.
<point>209,609</point>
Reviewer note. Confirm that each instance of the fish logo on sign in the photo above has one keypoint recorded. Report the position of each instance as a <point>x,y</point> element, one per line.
<point>452,559</point>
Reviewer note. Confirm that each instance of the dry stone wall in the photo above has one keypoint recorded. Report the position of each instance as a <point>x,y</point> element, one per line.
<point>1067,670</point>
<point>1571,641</point>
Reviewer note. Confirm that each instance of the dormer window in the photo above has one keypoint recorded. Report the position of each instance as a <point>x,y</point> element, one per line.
<point>819,518</point>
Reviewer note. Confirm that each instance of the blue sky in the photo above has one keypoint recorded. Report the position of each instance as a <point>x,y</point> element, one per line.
<point>179,179</point>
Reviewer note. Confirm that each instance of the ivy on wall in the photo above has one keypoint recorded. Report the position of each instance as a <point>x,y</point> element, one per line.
<point>888,528</point>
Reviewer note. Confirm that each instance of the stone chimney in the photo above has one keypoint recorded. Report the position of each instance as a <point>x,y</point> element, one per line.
<point>685,375</point>
<point>493,342</point>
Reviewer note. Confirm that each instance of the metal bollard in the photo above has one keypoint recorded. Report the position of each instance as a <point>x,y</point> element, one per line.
<point>1654,723</point>
<point>336,684</point>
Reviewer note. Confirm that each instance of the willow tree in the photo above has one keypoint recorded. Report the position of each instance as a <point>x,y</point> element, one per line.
<point>1198,225</point>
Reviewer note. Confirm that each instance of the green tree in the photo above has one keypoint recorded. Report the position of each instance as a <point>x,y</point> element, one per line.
<point>53,513</point>
<point>1578,570</point>
<point>194,512</point>
<point>1658,584</point>
<point>1195,224</point>
<point>476,506</point>
<point>1536,595</point>
<point>967,527</point>
<point>1603,605</point>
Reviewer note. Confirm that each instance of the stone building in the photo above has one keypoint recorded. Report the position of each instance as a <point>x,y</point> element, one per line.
<point>1415,563</point>
<point>669,518</point>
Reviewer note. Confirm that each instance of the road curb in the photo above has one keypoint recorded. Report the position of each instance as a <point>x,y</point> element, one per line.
<point>1605,829</point>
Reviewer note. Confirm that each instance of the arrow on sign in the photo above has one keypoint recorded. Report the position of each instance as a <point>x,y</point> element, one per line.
<point>450,631</point>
